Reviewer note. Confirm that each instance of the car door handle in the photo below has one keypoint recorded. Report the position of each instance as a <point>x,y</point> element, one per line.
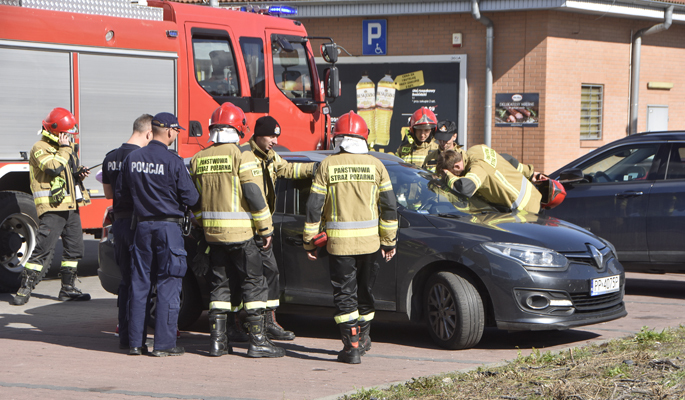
<point>295,240</point>
<point>630,193</point>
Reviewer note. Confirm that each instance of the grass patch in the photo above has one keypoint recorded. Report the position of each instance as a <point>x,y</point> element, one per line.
<point>648,365</point>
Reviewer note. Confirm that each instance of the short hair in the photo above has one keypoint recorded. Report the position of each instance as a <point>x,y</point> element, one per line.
<point>142,123</point>
<point>447,160</point>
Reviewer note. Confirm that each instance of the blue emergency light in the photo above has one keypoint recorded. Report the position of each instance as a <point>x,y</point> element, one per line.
<point>284,10</point>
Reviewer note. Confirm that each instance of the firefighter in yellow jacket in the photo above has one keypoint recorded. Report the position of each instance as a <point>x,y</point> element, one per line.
<point>493,177</point>
<point>420,140</point>
<point>267,167</point>
<point>354,191</point>
<point>232,210</point>
<point>57,186</point>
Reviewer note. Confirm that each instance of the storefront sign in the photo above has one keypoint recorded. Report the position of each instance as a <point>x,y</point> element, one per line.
<point>517,109</point>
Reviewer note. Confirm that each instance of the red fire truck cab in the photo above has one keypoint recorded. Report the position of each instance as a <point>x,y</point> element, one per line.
<point>110,62</point>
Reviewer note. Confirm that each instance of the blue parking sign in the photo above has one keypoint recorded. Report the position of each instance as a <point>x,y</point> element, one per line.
<point>374,37</point>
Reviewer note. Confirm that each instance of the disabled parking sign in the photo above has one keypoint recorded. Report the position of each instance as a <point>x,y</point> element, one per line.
<point>374,37</point>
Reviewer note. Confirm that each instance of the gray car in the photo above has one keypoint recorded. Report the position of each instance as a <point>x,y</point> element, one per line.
<point>461,264</point>
<point>631,192</point>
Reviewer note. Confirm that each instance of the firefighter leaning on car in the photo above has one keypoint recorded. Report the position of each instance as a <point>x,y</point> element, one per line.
<point>57,186</point>
<point>267,166</point>
<point>482,170</point>
<point>232,210</point>
<point>445,136</point>
<point>354,192</point>
<point>419,142</point>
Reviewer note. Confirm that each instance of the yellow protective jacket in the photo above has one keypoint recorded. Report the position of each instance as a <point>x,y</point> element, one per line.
<point>267,167</point>
<point>431,161</point>
<point>48,161</point>
<point>354,191</point>
<point>496,180</point>
<point>232,208</point>
<point>413,153</point>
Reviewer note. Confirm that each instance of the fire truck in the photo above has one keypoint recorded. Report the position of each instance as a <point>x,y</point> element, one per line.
<point>111,61</point>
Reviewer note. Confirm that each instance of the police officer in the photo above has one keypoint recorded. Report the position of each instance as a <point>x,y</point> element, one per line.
<point>158,184</point>
<point>122,211</point>
<point>420,140</point>
<point>492,176</point>
<point>268,165</point>
<point>354,191</point>
<point>445,135</point>
<point>233,210</point>
<point>57,186</point>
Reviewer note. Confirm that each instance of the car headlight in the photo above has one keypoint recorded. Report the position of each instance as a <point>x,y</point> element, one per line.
<point>531,257</point>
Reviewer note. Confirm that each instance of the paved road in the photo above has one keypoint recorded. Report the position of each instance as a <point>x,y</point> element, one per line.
<point>68,350</point>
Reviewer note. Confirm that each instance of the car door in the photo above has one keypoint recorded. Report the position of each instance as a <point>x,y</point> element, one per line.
<point>309,282</point>
<point>666,211</point>
<point>612,201</point>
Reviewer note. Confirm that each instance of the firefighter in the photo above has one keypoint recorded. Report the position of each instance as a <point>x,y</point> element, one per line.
<point>58,191</point>
<point>157,183</point>
<point>354,191</point>
<point>232,210</point>
<point>122,211</point>
<point>266,164</point>
<point>445,135</point>
<point>420,140</point>
<point>482,170</point>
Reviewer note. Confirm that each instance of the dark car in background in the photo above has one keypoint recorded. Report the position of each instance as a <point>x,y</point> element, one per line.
<point>631,192</point>
<point>461,264</point>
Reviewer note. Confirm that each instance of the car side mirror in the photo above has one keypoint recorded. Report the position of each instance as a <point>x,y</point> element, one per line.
<point>571,175</point>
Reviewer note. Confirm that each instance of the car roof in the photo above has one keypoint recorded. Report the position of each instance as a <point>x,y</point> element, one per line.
<point>319,155</point>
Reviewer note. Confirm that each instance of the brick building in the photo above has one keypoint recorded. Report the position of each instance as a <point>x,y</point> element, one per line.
<point>576,55</point>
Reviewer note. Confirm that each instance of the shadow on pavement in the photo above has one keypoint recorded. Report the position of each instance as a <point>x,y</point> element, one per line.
<point>664,288</point>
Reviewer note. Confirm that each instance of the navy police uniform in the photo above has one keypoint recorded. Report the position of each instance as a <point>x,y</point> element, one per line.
<point>122,210</point>
<point>160,186</point>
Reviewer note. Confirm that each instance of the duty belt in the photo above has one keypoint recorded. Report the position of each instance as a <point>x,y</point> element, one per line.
<point>162,218</point>
<point>122,215</point>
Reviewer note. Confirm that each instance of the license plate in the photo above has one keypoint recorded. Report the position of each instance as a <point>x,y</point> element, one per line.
<point>609,284</point>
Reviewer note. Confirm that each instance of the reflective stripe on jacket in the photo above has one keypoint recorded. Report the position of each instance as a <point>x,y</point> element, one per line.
<point>359,209</point>
<point>47,161</point>
<point>416,154</point>
<point>232,208</point>
<point>496,180</point>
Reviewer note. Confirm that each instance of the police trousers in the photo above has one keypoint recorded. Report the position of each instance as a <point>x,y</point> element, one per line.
<point>52,225</point>
<point>237,267</point>
<point>353,278</point>
<point>158,258</point>
<point>270,273</point>
<point>123,240</point>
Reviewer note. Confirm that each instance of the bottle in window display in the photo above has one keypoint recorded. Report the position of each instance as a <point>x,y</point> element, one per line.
<point>366,104</point>
<point>385,100</point>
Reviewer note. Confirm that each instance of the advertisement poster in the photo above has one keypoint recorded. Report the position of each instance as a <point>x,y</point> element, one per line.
<point>517,109</point>
<point>398,89</point>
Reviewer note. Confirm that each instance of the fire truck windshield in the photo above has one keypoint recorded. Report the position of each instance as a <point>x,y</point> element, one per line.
<point>291,68</point>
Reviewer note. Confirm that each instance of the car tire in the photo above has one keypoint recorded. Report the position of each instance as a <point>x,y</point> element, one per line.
<point>18,221</point>
<point>191,304</point>
<point>454,311</point>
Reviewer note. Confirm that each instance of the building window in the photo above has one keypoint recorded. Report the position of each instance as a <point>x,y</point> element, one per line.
<point>591,99</point>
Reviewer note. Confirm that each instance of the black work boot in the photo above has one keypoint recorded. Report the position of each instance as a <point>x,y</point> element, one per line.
<point>69,290</point>
<point>364,336</point>
<point>351,353</point>
<point>217,334</point>
<point>274,330</point>
<point>234,329</point>
<point>29,280</point>
<point>260,345</point>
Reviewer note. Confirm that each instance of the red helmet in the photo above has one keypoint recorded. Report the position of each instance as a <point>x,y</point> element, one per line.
<point>553,193</point>
<point>60,120</point>
<point>230,116</point>
<point>423,116</point>
<point>351,124</point>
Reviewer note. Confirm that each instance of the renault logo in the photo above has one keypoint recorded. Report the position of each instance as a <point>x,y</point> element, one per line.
<point>596,255</point>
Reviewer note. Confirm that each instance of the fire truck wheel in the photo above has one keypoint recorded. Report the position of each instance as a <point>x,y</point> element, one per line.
<point>191,303</point>
<point>18,227</point>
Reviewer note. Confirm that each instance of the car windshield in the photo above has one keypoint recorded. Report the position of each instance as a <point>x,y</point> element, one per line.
<point>424,192</point>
